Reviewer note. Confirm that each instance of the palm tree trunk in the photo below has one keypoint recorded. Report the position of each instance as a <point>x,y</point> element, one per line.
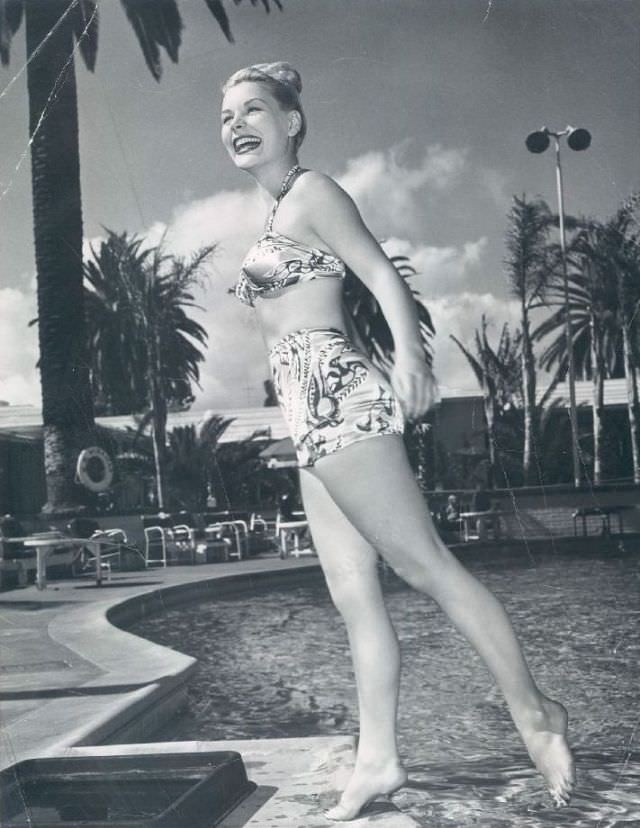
<point>529,400</point>
<point>633,405</point>
<point>597,368</point>
<point>159,407</point>
<point>67,409</point>
<point>489,415</point>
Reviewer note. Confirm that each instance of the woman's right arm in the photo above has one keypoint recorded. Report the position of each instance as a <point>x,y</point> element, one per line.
<point>334,218</point>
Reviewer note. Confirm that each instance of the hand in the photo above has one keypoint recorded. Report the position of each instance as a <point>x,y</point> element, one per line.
<point>415,386</point>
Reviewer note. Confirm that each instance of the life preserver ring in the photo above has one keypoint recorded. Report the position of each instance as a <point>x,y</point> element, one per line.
<point>94,469</point>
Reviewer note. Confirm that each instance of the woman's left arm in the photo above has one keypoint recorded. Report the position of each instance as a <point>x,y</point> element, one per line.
<point>335,219</point>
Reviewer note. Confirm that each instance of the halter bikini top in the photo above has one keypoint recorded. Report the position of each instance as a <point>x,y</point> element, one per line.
<point>276,262</point>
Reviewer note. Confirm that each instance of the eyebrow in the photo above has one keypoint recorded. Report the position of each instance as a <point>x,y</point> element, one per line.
<point>245,103</point>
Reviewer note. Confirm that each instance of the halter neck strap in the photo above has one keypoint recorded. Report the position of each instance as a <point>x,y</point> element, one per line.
<point>287,183</point>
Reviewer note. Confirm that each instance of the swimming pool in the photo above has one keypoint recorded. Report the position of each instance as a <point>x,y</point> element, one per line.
<point>276,663</point>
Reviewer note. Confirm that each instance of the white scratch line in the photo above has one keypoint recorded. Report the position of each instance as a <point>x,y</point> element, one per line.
<point>38,49</point>
<point>46,108</point>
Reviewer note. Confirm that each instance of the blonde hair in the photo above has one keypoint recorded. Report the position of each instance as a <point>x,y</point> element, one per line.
<point>284,83</point>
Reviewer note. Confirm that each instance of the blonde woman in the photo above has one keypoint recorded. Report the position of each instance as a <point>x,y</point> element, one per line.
<point>346,422</point>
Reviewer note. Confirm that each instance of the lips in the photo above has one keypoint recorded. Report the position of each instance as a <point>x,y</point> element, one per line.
<point>245,143</point>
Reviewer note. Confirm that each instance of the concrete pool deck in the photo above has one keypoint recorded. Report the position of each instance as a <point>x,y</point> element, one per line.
<point>71,680</point>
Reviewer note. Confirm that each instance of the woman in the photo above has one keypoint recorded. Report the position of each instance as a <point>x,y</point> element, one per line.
<point>346,422</point>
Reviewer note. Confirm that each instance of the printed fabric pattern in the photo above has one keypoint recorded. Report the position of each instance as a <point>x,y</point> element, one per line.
<point>330,393</point>
<point>280,263</point>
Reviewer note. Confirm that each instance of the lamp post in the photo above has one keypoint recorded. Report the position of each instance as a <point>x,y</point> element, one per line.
<point>578,140</point>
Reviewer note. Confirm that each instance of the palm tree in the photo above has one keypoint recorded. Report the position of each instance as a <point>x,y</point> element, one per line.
<point>191,459</point>
<point>370,328</point>
<point>531,263</point>
<point>604,302</point>
<point>238,469</point>
<point>499,375</point>
<point>142,337</point>
<point>593,309</point>
<point>55,30</point>
<point>623,235</point>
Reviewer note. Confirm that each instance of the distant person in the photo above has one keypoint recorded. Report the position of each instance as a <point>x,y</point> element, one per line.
<point>212,500</point>
<point>346,420</point>
<point>451,517</point>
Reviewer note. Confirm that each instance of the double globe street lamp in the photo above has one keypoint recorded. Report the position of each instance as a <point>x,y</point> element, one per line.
<point>578,140</point>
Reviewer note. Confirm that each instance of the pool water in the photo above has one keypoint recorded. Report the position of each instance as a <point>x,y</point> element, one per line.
<point>276,663</point>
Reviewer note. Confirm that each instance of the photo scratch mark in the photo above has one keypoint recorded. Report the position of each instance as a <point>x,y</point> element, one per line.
<point>56,86</point>
<point>37,51</point>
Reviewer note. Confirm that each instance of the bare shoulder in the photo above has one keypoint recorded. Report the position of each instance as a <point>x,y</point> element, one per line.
<point>320,188</point>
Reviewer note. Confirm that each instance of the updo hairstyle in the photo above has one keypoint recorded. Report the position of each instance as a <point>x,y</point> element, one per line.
<point>284,83</point>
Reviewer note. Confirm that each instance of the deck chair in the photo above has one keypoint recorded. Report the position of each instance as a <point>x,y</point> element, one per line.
<point>291,529</point>
<point>115,541</point>
<point>167,539</point>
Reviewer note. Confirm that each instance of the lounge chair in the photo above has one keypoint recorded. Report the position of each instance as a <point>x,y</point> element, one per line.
<point>113,543</point>
<point>291,529</point>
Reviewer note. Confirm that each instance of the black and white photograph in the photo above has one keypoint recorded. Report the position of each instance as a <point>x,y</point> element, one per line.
<point>319,413</point>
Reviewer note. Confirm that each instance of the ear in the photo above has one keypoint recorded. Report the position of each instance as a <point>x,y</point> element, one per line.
<point>295,123</point>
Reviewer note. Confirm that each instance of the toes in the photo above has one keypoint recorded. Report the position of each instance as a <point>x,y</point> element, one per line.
<point>339,814</point>
<point>561,795</point>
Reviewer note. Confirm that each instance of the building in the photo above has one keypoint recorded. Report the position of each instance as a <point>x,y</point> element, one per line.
<point>458,423</point>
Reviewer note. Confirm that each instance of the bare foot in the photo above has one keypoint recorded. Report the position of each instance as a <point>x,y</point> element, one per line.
<point>367,783</point>
<point>546,740</point>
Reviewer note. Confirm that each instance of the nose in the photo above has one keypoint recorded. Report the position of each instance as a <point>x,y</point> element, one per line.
<point>236,120</point>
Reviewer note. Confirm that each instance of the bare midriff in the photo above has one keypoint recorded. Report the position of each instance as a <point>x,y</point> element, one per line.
<point>313,304</point>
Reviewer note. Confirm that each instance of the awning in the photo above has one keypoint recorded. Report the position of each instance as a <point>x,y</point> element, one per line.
<point>280,455</point>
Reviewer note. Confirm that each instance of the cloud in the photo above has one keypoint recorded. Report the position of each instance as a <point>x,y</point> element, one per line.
<point>439,270</point>
<point>236,364</point>
<point>459,314</point>
<point>393,195</point>
<point>19,381</point>
<point>388,191</point>
<point>398,200</point>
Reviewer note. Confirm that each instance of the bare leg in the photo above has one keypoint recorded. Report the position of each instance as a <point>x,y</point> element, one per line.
<point>350,567</point>
<point>373,486</point>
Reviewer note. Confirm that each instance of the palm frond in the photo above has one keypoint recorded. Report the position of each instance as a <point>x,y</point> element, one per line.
<point>474,363</point>
<point>371,327</point>
<point>137,301</point>
<point>84,21</point>
<point>10,19</point>
<point>213,428</point>
<point>265,3</point>
<point>157,24</point>
<point>218,11</point>
<point>529,263</point>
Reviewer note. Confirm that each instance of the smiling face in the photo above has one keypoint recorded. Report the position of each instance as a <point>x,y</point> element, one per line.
<point>255,128</point>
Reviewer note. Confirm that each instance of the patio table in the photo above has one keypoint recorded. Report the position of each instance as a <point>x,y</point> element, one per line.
<point>45,543</point>
<point>604,513</point>
<point>480,518</point>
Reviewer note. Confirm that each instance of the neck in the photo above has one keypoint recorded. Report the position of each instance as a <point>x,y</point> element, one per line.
<point>270,177</point>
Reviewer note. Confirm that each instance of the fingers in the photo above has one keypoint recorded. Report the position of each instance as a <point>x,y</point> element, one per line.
<point>417,394</point>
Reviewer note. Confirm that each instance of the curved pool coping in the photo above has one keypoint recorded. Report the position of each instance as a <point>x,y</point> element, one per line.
<point>138,685</point>
<point>97,632</point>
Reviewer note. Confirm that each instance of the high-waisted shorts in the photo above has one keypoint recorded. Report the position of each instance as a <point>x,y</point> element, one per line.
<point>330,393</point>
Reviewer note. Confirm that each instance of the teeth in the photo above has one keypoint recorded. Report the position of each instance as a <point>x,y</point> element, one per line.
<point>245,143</point>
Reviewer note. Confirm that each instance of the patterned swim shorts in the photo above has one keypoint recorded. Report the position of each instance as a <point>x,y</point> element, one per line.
<point>330,393</point>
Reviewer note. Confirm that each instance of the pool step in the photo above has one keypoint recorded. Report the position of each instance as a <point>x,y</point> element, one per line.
<point>297,779</point>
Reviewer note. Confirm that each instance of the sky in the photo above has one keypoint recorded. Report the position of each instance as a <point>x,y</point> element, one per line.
<point>418,108</point>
